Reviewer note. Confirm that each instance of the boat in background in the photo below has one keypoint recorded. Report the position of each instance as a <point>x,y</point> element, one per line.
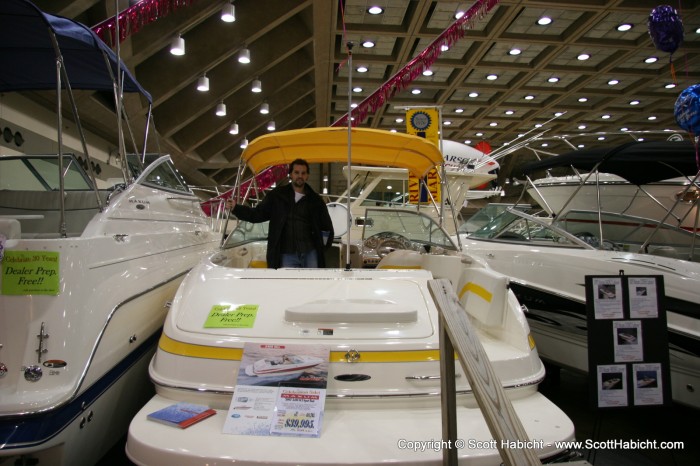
<point>379,323</point>
<point>548,259</point>
<point>87,273</point>
<point>654,179</point>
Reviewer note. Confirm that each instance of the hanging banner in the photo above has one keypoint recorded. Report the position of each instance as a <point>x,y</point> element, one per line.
<point>424,122</point>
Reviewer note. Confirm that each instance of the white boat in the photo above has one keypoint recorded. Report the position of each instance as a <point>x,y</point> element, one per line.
<point>643,179</point>
<point>547,266</point>
<point>87,275</point>
<point>284,365</point>
<point>381,325</point>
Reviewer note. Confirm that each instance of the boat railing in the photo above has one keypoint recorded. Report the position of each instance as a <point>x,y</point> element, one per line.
<point>457,334</point>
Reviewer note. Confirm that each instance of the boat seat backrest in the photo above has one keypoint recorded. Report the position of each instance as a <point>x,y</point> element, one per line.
<point>483,293</point>
<point>401,259</point>
<point>39,211</point>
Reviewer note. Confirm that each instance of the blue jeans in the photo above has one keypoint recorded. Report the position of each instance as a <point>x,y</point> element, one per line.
<point>307,259</point>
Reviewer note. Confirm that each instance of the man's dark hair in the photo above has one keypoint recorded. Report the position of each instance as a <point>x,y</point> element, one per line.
<point>299,162</point>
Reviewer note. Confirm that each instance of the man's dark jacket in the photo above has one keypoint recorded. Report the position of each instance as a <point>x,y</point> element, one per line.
<point>275,207</point>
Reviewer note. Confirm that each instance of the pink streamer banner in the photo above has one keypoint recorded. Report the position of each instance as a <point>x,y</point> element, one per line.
<point>134,18</point>
<point>421,62</point>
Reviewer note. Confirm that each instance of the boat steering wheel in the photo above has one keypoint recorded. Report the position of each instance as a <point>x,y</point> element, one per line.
<point>387,241</point>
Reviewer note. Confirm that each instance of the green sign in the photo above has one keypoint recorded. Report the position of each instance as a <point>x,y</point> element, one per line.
<point>30,273</point>
<point>222,316</point>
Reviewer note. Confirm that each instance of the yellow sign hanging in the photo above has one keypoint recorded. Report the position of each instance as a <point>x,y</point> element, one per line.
<point>424,122</point>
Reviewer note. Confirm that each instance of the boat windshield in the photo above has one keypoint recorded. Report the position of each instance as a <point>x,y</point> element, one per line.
<point>629,233</point>
<point>40,173</point>
<point>486,214</point>
<point>516,226</point>
<point>414,226</point>
<point>246,232</point>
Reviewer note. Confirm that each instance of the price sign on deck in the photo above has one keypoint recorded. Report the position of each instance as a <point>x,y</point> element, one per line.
<point>298,411</point>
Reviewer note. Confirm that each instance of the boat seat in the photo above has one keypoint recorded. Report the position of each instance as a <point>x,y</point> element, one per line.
<point>401,259</point>
<point>257,262</point>
<point>441,266</point>
<point>483,294</point>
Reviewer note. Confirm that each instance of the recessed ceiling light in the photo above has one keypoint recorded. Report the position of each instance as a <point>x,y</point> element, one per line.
<point>625,27</point>
<point>605,117</point>
<point>583,99</point>
<point>459,14</point>
<point>581,146</point>
<point>375,10</point>
<point>544,21</point>
<point>583,57</point>
<point>447,122</point>
<point>362,69</point>
<point>601,138</point>
<point>509,112</point>
<point>368,44</point>
<point>399,120</point>
<point>515,51</point>
<point>624,129</point>
<point>553,79</point>
<point>697,31</point>
<point>479,134</point>
<point>558,114</point>
<point>493,123</point>
<point>473,94</point>
<point>416,91</point>
<point>634,102</point>
<point>492,77</point>
<point>581,126</point>
<point>538,125</point>
<point>468,141</point>
<point>612,82</point>
<point>651,60</point>
<point>529,97</point>
<point>670,85</point>
<point>428,72</point>
<point>544,144</point>
<point>459,110</point>
<point>356,89</point>
<point>444,48</point>
<point>640,139</point>
<point>651,118</point>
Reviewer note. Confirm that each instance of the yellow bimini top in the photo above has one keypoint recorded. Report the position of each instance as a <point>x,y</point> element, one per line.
<point>330,144</point>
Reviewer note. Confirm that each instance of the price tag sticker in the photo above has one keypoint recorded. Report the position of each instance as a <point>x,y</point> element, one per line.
<point>298,412</point>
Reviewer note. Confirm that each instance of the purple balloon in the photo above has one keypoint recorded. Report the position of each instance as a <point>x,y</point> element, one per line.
<point>665,28</point>
<point>687,109</point>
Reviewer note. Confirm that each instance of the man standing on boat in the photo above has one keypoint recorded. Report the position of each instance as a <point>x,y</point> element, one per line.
<point>300,226</point>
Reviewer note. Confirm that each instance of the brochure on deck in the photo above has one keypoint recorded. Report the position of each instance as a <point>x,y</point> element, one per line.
<point>181,415</point>
<point>280,390</point>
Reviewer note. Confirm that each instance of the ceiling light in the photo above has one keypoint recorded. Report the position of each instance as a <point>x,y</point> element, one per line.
<point>177,46</point>
<point>581,146</point>
<point>493,123</point>
<point>353,105</point>
<point>601,138</point>
<point>459,14</point>
<point>388,186</point>
<point>244,55</point>
<point>447,122</point>
<point>361,69</point>
<point>416,91</point>
<point>538,125</point>
<point>264,108</point>
<point>544,144</point>
<point>650,60</point>
<point>444,48</point>
<point>612,82</point>
<point>605,117</point>
<point>544,21</point>
<point>583,99</point>
<point>221,109</point>
<point>509,112</point>
<point>257,86</point>
<point>624,129</point>
<point>459,110</point>
<point>634,102</point>
<point>468,141</point>
<point>228,13</point>
<point>492,77</point>
<point>357,89</point>
<point>651,118</point>
<point>271,125</point>
<point>473,94</point>
<point>233,129</point>
<point>583,57</point>
<point>514,51</point>
<point>479,134</point>
<point>399,120</point>
<point>558,114</point>
<point>553,79</point>
<point>368,44</point>
<point>375,10</point>
<point>244,143</point>
<point>428,72</point>
<point>203,83</point>
<point>670,85</point>
<point>581,126</point>
<point>529,97</point>
<point>624,27</point>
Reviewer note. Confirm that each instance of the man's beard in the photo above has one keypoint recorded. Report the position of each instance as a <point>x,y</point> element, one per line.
<point>299,182</point>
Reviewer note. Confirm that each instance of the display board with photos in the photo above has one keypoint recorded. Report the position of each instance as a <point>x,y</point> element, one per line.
<point>628,358</point>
